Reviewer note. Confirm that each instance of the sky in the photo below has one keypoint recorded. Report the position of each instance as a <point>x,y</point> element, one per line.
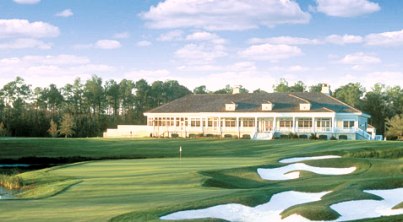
<point>203,42</point>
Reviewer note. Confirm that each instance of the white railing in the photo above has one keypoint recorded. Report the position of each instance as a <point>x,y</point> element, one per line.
<point>364,134</point>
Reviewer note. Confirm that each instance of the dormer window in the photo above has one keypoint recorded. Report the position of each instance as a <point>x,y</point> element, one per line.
<point>230,107</point>
<point>267,106</point>
<point>304,106</point>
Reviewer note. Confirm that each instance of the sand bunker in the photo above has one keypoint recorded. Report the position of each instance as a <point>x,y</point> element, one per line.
<point>349,210</point>
<point>266,212</point>
<point>287,172</point>
<point>300,159</point>
<point>360,209</point>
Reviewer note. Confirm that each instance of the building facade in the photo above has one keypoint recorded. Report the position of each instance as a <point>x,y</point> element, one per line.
<point>258,116</point>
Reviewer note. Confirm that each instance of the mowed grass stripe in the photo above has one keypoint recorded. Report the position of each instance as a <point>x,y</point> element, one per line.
<point>211,172</point>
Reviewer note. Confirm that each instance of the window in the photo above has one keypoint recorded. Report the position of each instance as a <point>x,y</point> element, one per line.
<point>195,122</point>
<point>348,124</point>
<point>324,122</point>
<point>230,122</point>
<point>286,123</point>
<point>248,122</point>
<point>304,123</point>
<point>212,122</point>
<point>150,121</point>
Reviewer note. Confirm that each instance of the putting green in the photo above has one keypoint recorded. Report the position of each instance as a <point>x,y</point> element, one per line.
<point>211,173</point>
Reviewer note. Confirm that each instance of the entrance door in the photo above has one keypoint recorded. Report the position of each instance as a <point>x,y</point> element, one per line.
<point>265,125</point>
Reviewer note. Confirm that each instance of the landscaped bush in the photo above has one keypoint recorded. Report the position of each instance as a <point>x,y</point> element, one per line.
<point>342,137</point>
<point>313,136</point>
<point>293,136</point>
<point>174,135</point>
<point>228,136</point>
<point>284,136</point>
<point>210,135</point>
<point>303,136</point>
<point>323,137</point>
<point>333,138</point>
<point>192,135</point>
<point>246,136</point>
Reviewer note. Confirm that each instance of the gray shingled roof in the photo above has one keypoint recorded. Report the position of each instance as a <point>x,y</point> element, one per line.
<point>283,102</point>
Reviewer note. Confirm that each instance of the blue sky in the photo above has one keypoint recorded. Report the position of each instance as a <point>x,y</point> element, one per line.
<point>203,42</point>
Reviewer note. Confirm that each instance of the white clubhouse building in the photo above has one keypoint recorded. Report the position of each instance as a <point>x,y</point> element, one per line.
<point>257,115</point>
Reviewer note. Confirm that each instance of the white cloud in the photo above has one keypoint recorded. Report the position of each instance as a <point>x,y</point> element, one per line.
<point>270,52</point>
<point>344,39</point>
<point>346,8</point>
<point>151,75</point>
<point>143,43</point>
<point>27,2</point>
<point>200,53</point>
<point>286,40</point>
<point>224,14</point>
<point>391,78</point>
<point>21,28</point>
<point>62,59</point>
<point>359,58</point>
<point>107,44</point>
<point>385,38</point>
<point>175,35</point>
<point>44,70</point>
<point>205,36</point>
<point>25,43</point>
<point>65,13</point>
<point>121,35</point>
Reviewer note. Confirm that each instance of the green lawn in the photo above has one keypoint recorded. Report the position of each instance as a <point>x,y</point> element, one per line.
<point>141,180</point>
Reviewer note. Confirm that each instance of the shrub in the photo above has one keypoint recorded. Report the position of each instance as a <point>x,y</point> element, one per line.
<point>303,136</point>
<point>323,137</point>
<point>342,137</point>
<point>284,136</point>
<point>313,136</point>
<point>228,136</point>
<point>209,135</point>
<point>245,136</point>
<point>200,135</point>
<point>174,135</point>
<point>333,138</point>
<point>11,182</point>
<point>192,135</point>
<point>293,136</point>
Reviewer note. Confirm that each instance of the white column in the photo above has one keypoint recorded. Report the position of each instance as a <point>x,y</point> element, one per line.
<point>256,127</point>
<point>333,124</point>
<point>313,125</point>
<point>274,123</point>
<point>201,123</point>
<point>238,125</point>
<point>293,124</point>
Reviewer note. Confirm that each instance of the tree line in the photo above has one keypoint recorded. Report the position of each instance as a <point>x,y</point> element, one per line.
<point>87,108</point>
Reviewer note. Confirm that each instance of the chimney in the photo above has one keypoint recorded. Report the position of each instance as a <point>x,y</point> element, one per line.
<point>326,89</point>
<point>236,89</point>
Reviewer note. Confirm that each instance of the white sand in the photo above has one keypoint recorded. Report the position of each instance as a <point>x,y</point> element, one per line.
<point>287,172</point>
<point>349,210</point>
<point>300,159</point>
<point>266,212</point>
<point>360,209</point>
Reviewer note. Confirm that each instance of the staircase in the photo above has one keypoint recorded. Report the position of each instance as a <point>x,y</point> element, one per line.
<point>364,135</point>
